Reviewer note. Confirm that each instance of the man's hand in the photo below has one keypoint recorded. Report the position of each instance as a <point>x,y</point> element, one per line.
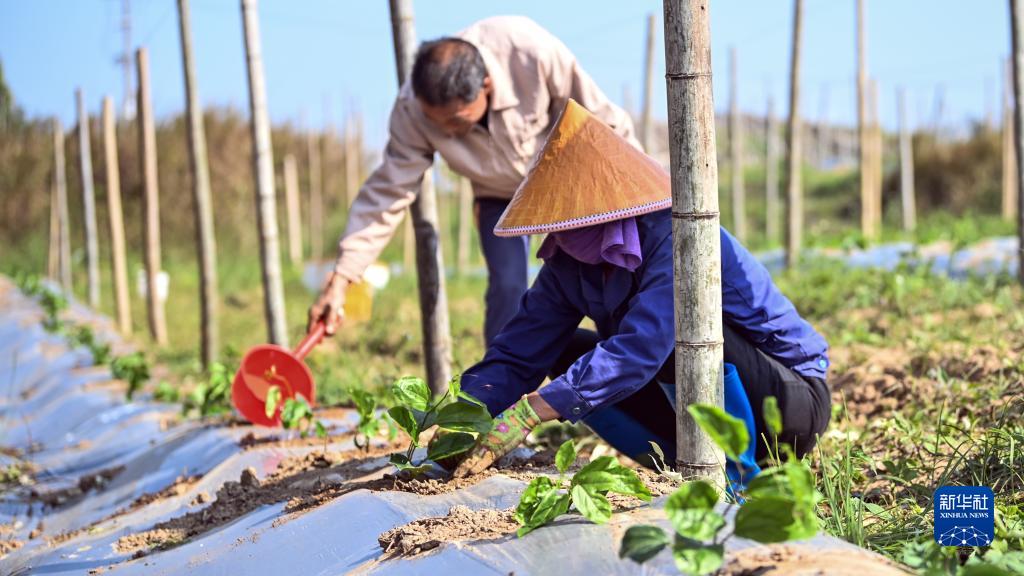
<point>330,305</point>
<point>510,429</point>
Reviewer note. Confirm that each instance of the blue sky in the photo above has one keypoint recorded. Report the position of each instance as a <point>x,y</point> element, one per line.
<point>323,58</point>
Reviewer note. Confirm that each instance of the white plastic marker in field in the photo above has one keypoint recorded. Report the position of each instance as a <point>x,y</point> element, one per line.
<point>163,284</point>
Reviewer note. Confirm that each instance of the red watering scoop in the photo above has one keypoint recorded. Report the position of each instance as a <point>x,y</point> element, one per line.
<point>269,365</point>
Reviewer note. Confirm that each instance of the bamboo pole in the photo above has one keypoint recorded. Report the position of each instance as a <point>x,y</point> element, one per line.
<point>907,196</point>
<point>695,231</point>
<point>771,174</point>
<point>1017,43</point>
<point>408,244</point>
<point>867,217</point>
<point>92,251</point>
<point>875,128</point>
<point>646,121</point>
<point>739,220</point>
<point>119,266</point>
<point>794,158</point>
<point>151,201</point>
<point>429,260</point>
<point>64,218</point>
<point>316,198</point>
<point>1009,200</point>
<point>53,256</point>
<point>465,223</point>
<point>206,243</point>
<point>291,197</point>
<point>263,169</point>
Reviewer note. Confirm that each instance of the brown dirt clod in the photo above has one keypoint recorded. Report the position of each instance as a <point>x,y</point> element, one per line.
<point>795,560</point>
<point>461,524</point>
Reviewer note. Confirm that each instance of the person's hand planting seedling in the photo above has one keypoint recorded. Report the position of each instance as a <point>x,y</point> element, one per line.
<point>511,427</point>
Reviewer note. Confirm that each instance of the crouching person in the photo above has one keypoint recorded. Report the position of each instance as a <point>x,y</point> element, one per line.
<point>608,257</point>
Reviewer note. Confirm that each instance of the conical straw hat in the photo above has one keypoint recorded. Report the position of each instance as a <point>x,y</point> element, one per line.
<point>585,174</point>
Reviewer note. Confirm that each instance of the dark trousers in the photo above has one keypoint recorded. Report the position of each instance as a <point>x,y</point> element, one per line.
<point>507,274</point>
<point>805,402</point>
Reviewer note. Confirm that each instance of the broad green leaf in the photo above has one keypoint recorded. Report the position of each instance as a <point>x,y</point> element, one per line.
<point>801,483</point>
<point>565,456</point>
<point>691,511</point>
<point>770,482</point>
<point>364,401</point>
<point>464,417</point>
<point>593,505</point>
<point>774,519</point>
<point>727,432</point>
<point>455,386</point>
<point>983,570</point>
<point>424,419</point>
<point>370,427</point>
<point>404,418</point>
<point>772,415</point>
<point>412,392</point>
<point>696,558</point>
<point>551,506</point>
<point>403,465</point>
<point>272,400</point>
<point>641,543</point>
<point>321,430</point>
<point>450,445</point>
<point>540,503</point>
<point>605,474</point>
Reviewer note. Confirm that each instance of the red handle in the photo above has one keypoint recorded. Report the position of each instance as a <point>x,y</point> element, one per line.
<point>311,340</point>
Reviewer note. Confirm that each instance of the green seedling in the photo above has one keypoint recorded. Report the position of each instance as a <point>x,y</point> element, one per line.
<point>779,504</point>
<point>133,369</point>
<point>212,396</point>
<point>587,491</point>
<point>369,422</point>
<point>459,417</point>
<point>53,304</point>
<point>84,336</point>
<point>296,414</point>
<point>166,392</point>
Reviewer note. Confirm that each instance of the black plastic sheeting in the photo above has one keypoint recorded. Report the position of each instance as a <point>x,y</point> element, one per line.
<point>70,421</point>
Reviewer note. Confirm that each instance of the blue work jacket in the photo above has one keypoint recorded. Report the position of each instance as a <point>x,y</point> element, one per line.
<point>633,312</point>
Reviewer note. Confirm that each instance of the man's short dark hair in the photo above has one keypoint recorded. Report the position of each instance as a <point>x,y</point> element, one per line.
<point>447,69</point>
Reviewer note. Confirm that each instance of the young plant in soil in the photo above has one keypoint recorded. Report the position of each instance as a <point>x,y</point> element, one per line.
<point>133,369</point>
<point>370,422</point>
<point>296,414</point>
<point>212,396</point>
<point>545,499</point>
<point>459,417</point>
<point>778,505</point>
<point>84,336</point>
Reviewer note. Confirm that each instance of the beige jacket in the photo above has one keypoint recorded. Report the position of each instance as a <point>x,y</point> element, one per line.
<point>533,74</point>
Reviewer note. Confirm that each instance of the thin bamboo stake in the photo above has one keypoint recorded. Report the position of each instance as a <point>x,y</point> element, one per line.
<point>1017,39</point>
<point>695,231</point>
<point>646,120</point>
<point>876,156</point>
<point>53,247</point>
<point>92,250</point>
<point>119,266</point>
<point>867,217</point>
<point>206,243</point>
<point>429,260</point>
<point>64,226</point>
<point>316,198</point>
<point>263,169</point>
<point>794,158</point>
<point>465,223</point>
<point>291,197</point>
<point>151,201</point>
<point>907,195</point>
<point>771,174</point>
<point>1009,200</point>
<point>408,244</point>
<point>739,219</point>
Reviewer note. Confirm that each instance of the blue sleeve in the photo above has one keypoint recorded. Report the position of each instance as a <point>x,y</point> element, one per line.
<point>755,307</point>
<point>629,359</point>
<point>520,356</point>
